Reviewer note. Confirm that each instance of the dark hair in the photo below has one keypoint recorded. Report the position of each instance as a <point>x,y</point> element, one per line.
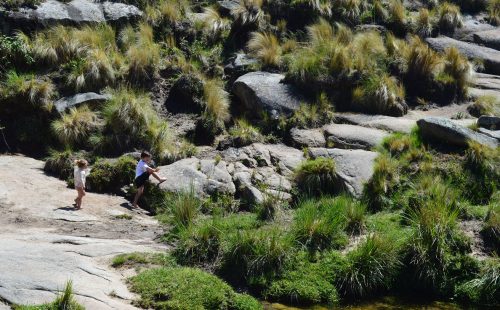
<point>145,154</point>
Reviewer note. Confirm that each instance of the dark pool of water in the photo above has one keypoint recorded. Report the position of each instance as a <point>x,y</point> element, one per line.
<point>385,303</point>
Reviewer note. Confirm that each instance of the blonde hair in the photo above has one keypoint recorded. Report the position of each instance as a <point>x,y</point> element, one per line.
<point>81,163</point>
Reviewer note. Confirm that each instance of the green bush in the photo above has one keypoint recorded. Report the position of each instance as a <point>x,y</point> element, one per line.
<point>61,164</point>
<point>304,283</point>
<point>317,176</point>
<point>181,288</point>
<point>371,267</point>
<point>109,176</point>
<point>14,53</point>
<point>485,289</point>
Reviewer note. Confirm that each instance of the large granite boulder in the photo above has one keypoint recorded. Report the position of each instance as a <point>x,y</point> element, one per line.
<point>308,137</point>
<point>73,13</point>
<point>264,91</point>
<point>347,136</point>
<point>205,177</point>
<point>489,122</point>
<point>354,167</point>
<point>488,38</point>
<point>471,25</point>
<point>66,103</point>
<point>489,56</point>
<point>444,131</point>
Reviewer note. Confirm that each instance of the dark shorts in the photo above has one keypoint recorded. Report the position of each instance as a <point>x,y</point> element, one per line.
<point>142,179</point>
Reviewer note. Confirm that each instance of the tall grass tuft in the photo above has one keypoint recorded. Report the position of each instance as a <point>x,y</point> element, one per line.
<point>266,48</point>
<point>458,68</point>
<point>75,127</point>
<point>371,267</point>
<point>143,56</point>
<point>449,17</point>
<point>423,23</point>
<point>317,176</point>
<point>184,208</point>
<point>377,192</point>
<point>494,12</point>
<point>216,105</point>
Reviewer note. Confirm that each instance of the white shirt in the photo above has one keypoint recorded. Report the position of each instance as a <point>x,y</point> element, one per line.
<point>142,167</point>
<point>80,175</point>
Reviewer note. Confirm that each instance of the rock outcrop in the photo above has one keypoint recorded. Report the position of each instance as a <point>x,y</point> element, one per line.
<point>264,91</point>
<point>488,38</point>
<point>74,13</point>
<point>383,122</point>
<point>66,103</point>
<point>489,122</point>
<point>445,132</point>
<point>205,177</point>
<point>347,136</point>
<point>308,137</point>
<point>489,56</point>
<point>354,167</point>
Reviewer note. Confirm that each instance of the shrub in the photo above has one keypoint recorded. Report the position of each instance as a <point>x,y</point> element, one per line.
<point>317,176</point>
<point>494,12</point>
<point>180,288</point>
<point>485,288</point>
<point>380,94</point>
<point>75,127</point>
<point>397,16</point>
<point>111,175</point>
<point>266,48</point>
<point>371,267</point>
<point>423,23</point>
<point>14,53</point>
<point>485,105</point>
<point>449,17</point>
<point>216,111</point>
<point>243,133</point>
<point>61,164</point>
<point>319,224</point>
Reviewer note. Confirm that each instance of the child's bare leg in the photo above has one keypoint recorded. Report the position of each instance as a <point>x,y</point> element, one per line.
<point>138,195</point>
<point>156,176</point>
<point>78,200</point>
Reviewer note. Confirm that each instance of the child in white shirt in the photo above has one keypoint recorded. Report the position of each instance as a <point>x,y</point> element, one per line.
<point>142,173</point>
<point>80,174</point>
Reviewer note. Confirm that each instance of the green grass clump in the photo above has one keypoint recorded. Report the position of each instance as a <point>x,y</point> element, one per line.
<point>108,176</point>
<point>371,267</point>
<point>320,224</point>
<point>449,17</point>
<point>61,163</point>
<point>183,208</point>
<point>494,12</point>
<point>423,23</point>
<point>65,300</point>
<point>491,227</point>
<point>485,289</point>
<point>138,258</point>
<point>181,288</point>
<point>243,133</point>
<point>216,110</point>
<point>307,283</point>
<point>317,176</point>
<point>377,192</point>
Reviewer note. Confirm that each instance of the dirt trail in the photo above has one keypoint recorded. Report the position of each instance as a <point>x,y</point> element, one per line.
<point>44,242</point>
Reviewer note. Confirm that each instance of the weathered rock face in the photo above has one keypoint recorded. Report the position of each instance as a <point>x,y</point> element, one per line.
<point>489,56</point>
<point>354,167</point>
<point>488,38</point>
<point>308,137</point>
<point>490,133</point>
<point>383,122</point>
<point>346,136</point>
<point>264,91</point>
<point>471,25</point>
<point>239,65</point>
<point>79,99</point>
<point>489,122</point>
<point>226,6</point>
<point>444,131</point>
<point>205,176</point>
<point>74,13</point>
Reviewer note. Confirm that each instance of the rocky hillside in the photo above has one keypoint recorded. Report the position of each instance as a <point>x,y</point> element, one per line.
<point>316,152</point>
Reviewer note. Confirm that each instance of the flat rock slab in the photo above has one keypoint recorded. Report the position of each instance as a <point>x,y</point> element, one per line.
<point>489,56</point>
<point>354,167</point>
<point>264,91</point>
<point>347,136</point>
<point>470,26</point>
<point>486,81</point>
<point>383,122</point>
<point>488,38</point>
<point>74,13</point>
<point>85,98</point>
<point>445,132</point>
<point>44,242</point>
<point>204,176</point>
<point>308,137</point>
<point>491,133</point>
